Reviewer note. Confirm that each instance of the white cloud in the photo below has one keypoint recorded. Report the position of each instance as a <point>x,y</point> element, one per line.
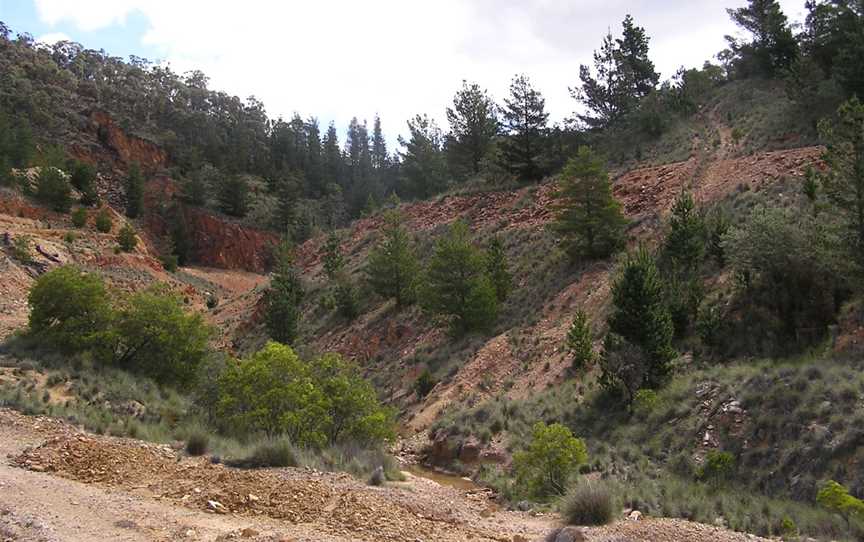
<point>340,58</point>
<point>52,37</point>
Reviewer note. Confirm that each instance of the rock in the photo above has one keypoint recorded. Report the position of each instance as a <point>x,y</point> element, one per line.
<point>635,515</point>
<point>217,507</point>
<point>519,538</point>
<point>253,498</point>
<point>523,506</point>
<point>126,524</point>
<point>469,452</point>
<point>571,534</point>
<point>248,532</point>
<point>443,450</point>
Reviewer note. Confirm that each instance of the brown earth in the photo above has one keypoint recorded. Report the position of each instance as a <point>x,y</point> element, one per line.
<point>60,484</point>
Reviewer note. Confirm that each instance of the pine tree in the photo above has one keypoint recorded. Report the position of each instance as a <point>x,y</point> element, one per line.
<point>473,125</point>
<point>234,196</point>
<point>359,181</point>
<point>392,267</point>
<point>457,285</point>
<point>624,75</point>
<point>640,317</point>
<point>844,181</point>
<point>283,298</point>
<point>579,342</point>
<point>380,158</point>
<point>773,48</point>
<point>525,119</point>
<point>134,191</point>
<point>53,188</point>
<point>685,244</point>
<point>314,173</point>
<point>332,158</point>
<point>424,168</point>
<point>333,259</point>
<point>496,268</point>
<point>589,218</point>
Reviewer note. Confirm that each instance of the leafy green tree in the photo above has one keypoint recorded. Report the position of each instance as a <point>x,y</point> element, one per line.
<point>639,315</point>
<point>834,39</point>
<point>773,47</point>
<point>234,196</point>
<point>127,238</point>
<point>134,191</point>
<point>589,218</point>
<point>579,342</point>
<point>836,498</point>
<point>353,408</point>
<point>333,259</point>
<point>53,189</point>
<point>782,253</point>
<point>525,120</point>
<point>424,167</point>
<point>551,459</point>
<point>157,338</point>
<point>844,181</point>
<point>69,309</point>
<point>392,267</point>
<point>473,125</point>
<point>457,284</point>
<point>497,269</point>
<point>283,298</point>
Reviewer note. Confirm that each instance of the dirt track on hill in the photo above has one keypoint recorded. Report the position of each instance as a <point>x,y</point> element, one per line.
<point>58,484</point>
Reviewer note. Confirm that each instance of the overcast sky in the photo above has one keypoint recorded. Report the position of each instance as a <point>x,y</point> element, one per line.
<point>339,58</point>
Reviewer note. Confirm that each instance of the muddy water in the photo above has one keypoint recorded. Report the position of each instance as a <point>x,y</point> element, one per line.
<point>451,480</point>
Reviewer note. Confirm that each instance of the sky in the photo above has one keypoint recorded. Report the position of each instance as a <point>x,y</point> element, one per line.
<point>335,59</point>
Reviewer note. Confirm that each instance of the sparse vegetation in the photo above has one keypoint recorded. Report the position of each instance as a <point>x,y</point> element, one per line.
<point>588,503</point>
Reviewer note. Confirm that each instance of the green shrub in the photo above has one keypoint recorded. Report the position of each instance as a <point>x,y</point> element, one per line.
<point>127,238</point>
<point>21,249</point>
<point>197,443</point>
<point>103,221</point>
<point>836,498</point>
<point>718,467</point>
<point>587,504</point>
<point>79,217</point>
<point>645,402</point>
<point>272,452</point>
<point>169,262</point>
<point>347,298</point>
<point>552,457</point>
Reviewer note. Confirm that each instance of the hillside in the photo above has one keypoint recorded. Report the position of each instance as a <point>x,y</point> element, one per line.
<point>645,324</point>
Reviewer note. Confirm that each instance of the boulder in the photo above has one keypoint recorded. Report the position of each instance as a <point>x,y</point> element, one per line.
<point>470,450</point>
<point>570,534</point>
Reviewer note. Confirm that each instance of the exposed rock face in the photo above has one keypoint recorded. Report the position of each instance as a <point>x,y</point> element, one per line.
<point>214,241</point>
<point>128,148</point>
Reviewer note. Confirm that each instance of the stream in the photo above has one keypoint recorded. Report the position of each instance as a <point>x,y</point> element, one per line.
<point>450,480</point>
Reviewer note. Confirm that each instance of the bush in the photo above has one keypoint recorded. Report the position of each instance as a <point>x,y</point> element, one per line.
<point>347,298</point>
<point>274,392</point>
<point>21,249</point>
<point>718,467</point>
<point>169,262</point>
<point>836,498</point>
<point>197,443</point>
<point>553,455</point>
<point>587,504</point>
<point>424,384</point>
<point>103,221</point>
<point>272,452</point>
<point>79,217</point>
<point>127,239</point>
